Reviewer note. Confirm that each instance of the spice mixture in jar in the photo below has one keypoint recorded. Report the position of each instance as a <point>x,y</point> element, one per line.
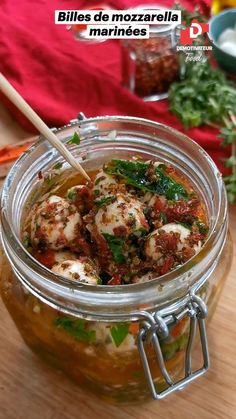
<point>155,65</point>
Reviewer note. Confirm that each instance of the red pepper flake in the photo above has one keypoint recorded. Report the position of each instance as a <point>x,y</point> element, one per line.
<point>159,205</point>
<point>115,280</point>
<point>194,238</point>
<point>167,265</point>
<point>40,175</point>
<point>186,254</point>
<point>120,231</point>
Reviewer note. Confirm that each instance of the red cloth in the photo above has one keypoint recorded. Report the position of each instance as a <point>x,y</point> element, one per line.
<point>59,76</point>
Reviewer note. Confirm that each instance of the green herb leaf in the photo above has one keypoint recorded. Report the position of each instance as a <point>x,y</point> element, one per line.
<point>163,217</point>
<point>187,16</point>
<point>135,173</point>
<point>203,229</point>
<point>215,96</point>
<point>96,192</point>
<point>119,333</point>
<point>230,162</point>
<point>76,328</point>
<point>116,244</point>
<point>71,193</point>
<point>104,201</point>
<point>26,240</point>
<point>49,180</point>
<point>58,166</point>
<point>75,139</point>
<point>186,225</point>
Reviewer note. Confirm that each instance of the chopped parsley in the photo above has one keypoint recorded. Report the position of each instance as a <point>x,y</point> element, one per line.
<point>26,240</point>
<point>163,217</point>
<point>203,229</point>
<point>116,244</point>
<point>98,180</point>
<point>71,194</point>
<point>186,225</point>
<point>76,328</point>
<point>104,201</point>
<point>49,180</point>
<point>135,174</point>
<point>96,192</point>
<point>58,166</point>
<point>119,333</point>
<point>75,139</point>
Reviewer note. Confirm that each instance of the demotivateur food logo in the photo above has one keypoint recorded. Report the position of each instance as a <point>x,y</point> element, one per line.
<point>196,29</point>
<point>188,36</point>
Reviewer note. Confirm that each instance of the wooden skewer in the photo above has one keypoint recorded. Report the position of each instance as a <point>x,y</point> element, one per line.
<point>21,104</point>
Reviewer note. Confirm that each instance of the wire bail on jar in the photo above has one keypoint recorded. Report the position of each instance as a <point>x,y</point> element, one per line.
<point>155,327</point>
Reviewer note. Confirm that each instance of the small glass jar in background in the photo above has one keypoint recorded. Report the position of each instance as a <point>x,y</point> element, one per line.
<point>150,66</point>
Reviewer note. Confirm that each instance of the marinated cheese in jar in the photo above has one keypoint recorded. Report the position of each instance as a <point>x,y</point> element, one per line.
<point>115,272</point>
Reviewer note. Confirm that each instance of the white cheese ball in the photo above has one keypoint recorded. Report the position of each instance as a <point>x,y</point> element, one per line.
<point>77,270</point>
<point>104,184</point>
<point>63,255</point>
<point>121,217</point>
<point>154,252</point>
<point>55,224</point>
<point>144,278</point>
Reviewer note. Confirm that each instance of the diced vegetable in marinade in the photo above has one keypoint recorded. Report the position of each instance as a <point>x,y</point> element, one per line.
<point>136,220</point>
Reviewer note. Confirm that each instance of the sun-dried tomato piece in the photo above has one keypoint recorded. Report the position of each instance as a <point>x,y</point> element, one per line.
<point>178,210</point>
<point>167,265</point>
<point>167,242</point>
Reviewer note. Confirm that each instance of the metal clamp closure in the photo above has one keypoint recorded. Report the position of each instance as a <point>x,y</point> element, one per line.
<point>155,327</point>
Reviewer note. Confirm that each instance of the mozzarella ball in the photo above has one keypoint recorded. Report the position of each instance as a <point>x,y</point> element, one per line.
<point>63,255</point>
<point>153,249</point>
<point>55,224</point>
<point>137,279</point>
<point>122,217</point>
<point>77,270</point>
<point>104,184</point>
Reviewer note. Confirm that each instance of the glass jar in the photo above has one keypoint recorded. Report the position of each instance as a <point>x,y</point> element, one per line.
<point>124,343</point>
<point>150,66</point>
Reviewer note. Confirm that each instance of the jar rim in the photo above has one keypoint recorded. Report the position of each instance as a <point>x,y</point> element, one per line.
<point>113,292</point>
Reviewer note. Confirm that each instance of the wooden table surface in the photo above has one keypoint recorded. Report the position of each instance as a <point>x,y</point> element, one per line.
<point>29,389</point>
